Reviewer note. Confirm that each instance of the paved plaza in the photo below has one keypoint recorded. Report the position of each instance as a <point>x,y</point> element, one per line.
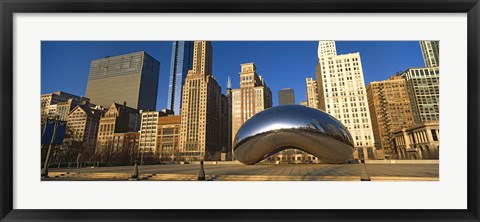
<point>259,172</point>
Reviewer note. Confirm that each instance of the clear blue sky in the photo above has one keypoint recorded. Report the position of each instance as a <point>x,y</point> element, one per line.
<point>283,64</point>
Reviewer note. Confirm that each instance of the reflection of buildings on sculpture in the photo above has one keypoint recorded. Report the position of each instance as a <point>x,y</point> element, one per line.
<point>273,134</point>
<point>342,94</point>
<point>418,142</point>
<point>293,156</point>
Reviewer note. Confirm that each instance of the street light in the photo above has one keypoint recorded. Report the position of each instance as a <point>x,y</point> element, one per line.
<point>47,158</point>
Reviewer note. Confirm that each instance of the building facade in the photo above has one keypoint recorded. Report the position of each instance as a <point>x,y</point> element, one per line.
<point>312,93</point>
<point>82,125</point>
<point>182,56</point>
<point>390,110</point>
<point>252,97</point>
<point>130,78</point>
<point>342,94</point>
<point>148,135</point>
<point>418,142</point>
<point>168,138</point>
<point>228,94</point>
<point>159,136</point>
<point>224,124</point>
<point>125,147</point>
<point>423,90</point>
<point>286,97</point>
<point>117,119</point>
<point>201,108</point>
<point>430,53</point>
<point>48,107</point>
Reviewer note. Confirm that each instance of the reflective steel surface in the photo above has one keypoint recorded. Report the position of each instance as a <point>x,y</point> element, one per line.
<point>293,126</point>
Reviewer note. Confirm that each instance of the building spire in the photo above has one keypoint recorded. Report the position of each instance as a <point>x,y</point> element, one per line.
<point>229,83</point>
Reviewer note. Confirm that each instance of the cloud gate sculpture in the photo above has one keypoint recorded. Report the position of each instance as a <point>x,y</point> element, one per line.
<point>292,126</point>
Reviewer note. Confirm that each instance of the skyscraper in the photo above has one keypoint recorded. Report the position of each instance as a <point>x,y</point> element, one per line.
<point>130,78</point>
<point>228,94</point>
<point>342,94</point>
<point>390,110</point>
<point>201,108</point>
<point>252,97</point>
<point>423,90</point>
<point>430,53</point>
<point>312,93</point>
<point>286,97</point>
<point>182,55</point>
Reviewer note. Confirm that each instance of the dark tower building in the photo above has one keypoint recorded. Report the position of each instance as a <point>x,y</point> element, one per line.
<point>130,78</point>
<point>182,56</point>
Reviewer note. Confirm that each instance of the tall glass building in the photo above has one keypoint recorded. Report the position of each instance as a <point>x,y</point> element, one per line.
<point>130,78</point>
<point>182,56</point>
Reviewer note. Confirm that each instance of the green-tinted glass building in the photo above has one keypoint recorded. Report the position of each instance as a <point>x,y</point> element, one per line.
<point>130,78</point>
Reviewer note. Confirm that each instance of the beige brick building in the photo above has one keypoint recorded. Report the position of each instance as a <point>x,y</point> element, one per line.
<point>390,110</point>
<point>148,135</point>
<point>159,137</point>
<point>117,119</point>
<point>168,138</point>
<point>252,97</point>
<point>342,94</point>
<point>49,107</point>
<point>83,122</point>
<point>125,147</point>
<point>201,108</point>
<point>312,93</point>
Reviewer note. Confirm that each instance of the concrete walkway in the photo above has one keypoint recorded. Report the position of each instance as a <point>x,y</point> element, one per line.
<point>261,172</point>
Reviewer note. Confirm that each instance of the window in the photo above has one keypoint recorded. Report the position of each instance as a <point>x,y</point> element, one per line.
<point>434,135</point>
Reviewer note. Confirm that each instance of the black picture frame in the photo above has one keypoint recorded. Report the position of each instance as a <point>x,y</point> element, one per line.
<point>9,7</point>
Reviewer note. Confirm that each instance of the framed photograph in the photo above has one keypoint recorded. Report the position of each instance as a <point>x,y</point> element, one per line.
<point>264,110</point>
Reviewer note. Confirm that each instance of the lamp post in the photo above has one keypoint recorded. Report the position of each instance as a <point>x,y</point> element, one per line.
<point>78,158</point>
<point>47,158</point>
<point>141,160</point>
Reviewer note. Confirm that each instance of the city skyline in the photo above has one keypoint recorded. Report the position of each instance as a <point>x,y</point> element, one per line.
<point>270,56</point>
<point>340,126</point>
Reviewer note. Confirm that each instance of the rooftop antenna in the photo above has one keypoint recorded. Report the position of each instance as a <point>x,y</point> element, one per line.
<point>229,83</point>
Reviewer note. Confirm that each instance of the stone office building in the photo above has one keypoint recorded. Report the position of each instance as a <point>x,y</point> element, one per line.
<point>201,108</point>
<point>390,110</point>
<point>342,94</point>
<point>117,119</point>
<point>418,142</point>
